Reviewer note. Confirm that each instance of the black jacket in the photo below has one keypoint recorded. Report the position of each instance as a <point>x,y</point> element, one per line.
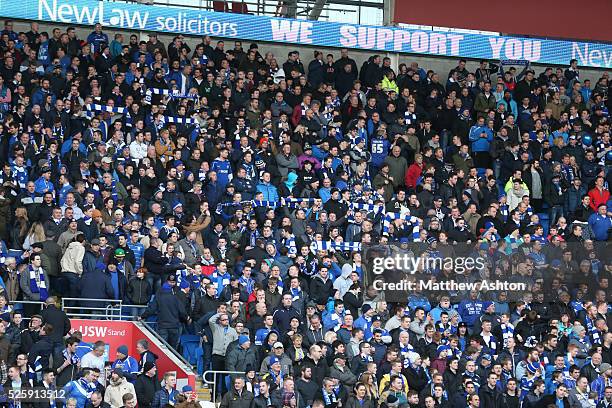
<point>146,387</point>
<point>95,285</point>
<point>169,310</point>
<point>488,396</point>
<point>139,291</point>
<point>58,319</point>
<point>42,349</point>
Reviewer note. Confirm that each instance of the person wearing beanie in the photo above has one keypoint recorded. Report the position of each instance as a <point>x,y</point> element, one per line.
<point>117,387</point>
<point>126,363</point>
<point>241,357</point>
<point>147,384</point>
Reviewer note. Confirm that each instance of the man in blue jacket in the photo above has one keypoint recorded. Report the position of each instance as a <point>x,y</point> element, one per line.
<point>600,223</point>
<point>470,309</point>
<point>481,137</point>
<point>97,38</point>
<point>269,191</point>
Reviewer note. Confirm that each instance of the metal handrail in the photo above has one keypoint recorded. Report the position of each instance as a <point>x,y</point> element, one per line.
<point>165,343</point>
<point>213,395</point>
<point>26,302</point>
<point>112,308</point>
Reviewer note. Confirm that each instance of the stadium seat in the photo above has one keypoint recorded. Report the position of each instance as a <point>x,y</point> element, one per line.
<point>189,344</point>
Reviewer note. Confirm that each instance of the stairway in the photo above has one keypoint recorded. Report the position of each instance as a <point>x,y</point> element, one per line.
<point>204,393</point>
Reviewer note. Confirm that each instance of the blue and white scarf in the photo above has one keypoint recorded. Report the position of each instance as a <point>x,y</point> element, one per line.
<point>507,332</point>
<point>172,93</point>
<point>389,217</point>
<point>328,399</point>
<point>338,246</point>
<point>37,283</point>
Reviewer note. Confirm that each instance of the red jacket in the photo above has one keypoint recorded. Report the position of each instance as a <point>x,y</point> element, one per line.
<point>412,175</point>
<point>598,197</point>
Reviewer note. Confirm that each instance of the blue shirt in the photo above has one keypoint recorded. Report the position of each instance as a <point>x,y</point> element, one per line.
<point>138,250</point>
<point>600,225</point>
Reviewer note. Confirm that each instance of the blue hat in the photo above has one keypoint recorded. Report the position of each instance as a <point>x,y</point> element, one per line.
<point>404,240</point>
<point>178,204</point>
<point>359,140</point>
<point>488,225</point>
<point>123,350</point>
<point>274,360</point>
<point>184,284</point>
<point>187,388</point>
<point>431,240</point>
<point>442,348</point>
<point>502,194</point>
<point>486,357</point>
<point>483,247</point>
<point>177,163</point>
<point>487,305</point>
<point>555,263</point>
<point>243,339</point>
<point>533,367</point>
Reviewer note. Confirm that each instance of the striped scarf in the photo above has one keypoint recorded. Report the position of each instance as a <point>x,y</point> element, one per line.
<point>389,217</point>
<point>91,108</point>
<point>295,202</point>
<point>172,93</point>
<point>593,332</point>
<point>507,332</point>
<point>37,283</point>
<point>377,209</point>
<point>338,246</point>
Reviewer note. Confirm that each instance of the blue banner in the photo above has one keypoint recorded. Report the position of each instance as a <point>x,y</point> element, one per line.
<point>316,33</point>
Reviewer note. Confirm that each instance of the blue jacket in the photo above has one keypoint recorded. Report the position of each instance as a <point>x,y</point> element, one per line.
<point>600,224</point>
<point>479,143</point>
<point>97,40</point>
<point>42,185</point>
<point>270,192</point>
<point>129,366</point>
<point>75,389</point>
<point>470,310</point>
<point>39,97</point>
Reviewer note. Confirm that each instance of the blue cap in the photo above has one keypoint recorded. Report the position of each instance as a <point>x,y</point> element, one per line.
<point>555,263</point>
<point>178,204</point>
<point>486,357</point>
<point>177,163</point>
<point>184,284</point>
<point>274,360</point>
<point>243,339</point>
<point>187,388</point>
<point>359,140</point>
<point>123,350</point>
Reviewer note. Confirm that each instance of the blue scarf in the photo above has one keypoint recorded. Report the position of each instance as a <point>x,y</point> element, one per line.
<point>329,399</point>
<point>38,285</point>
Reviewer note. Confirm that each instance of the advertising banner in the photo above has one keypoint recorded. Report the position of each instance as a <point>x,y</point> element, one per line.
<point>117,333</point>
<point>526,17</point>
<point>314,33</point>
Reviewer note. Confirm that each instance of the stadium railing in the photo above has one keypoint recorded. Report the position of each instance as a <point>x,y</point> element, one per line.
<point>216,381</point>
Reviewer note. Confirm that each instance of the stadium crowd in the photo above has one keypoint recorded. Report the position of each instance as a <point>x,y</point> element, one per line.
<point>230,194</point>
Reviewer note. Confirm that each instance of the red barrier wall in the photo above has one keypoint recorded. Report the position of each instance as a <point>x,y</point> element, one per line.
<point>117,333</point>
<point>561,19</point>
